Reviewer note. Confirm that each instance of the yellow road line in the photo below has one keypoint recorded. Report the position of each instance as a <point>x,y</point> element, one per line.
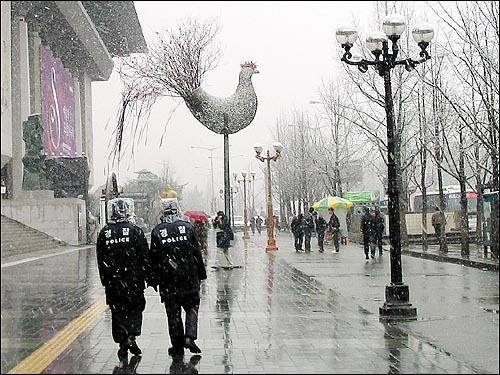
<point>37,361</point>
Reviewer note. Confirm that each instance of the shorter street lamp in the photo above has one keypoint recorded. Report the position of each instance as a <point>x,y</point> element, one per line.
<point>278,147</point>
<point>396,305</point>
<point>252,212</point>
<point>246,236</point>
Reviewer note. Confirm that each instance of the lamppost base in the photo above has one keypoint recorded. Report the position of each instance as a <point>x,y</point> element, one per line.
<point>397,305</point>
<point>271,245</point>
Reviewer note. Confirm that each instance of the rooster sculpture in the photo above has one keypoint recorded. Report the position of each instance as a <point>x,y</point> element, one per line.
<point>226,115</point>
<point>175,67</point>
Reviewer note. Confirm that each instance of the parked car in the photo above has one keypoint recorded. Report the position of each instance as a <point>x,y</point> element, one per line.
<point>239,223</point>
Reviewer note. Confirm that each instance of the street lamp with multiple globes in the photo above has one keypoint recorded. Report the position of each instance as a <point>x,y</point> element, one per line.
<point>246,236</point>
<point>278,147</point>
<point>396,305</point>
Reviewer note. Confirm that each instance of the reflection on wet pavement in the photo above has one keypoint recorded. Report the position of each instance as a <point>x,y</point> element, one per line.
<point>266,317</point>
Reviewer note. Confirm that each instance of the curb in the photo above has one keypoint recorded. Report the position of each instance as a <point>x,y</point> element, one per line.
<point>461,261</point>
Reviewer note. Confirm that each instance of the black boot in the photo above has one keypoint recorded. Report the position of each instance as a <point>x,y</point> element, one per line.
<point>132,346</point>
<point>122,352</point>
<point>191,345</point>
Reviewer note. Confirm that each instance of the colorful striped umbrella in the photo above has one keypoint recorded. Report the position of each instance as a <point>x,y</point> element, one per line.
<point>332,202</point>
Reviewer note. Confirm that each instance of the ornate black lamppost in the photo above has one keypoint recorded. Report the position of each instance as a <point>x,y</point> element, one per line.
<point>278,147</point>
<point>396,305</point>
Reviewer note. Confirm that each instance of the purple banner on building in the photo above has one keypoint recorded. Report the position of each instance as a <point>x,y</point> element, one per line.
<point>58,107</point>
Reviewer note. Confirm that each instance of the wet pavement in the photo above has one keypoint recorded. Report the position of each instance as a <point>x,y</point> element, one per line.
<point>282,312</point>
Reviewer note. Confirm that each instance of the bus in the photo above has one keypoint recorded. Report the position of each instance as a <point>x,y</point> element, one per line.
<point>451,198</point>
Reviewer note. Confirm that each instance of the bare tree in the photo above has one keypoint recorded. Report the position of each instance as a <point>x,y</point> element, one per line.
<point>473,51</point>
<point>174,66</point>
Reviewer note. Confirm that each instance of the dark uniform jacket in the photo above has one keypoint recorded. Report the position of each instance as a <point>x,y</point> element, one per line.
<point>123,263</point>
<point>334,223</point>
<point>320,224</point>
<point>366,225</point>
<point>176,259</point>
<point>308,223</point>
<point>297,225</point>
<point>378,225</point>
<point>224,234</point>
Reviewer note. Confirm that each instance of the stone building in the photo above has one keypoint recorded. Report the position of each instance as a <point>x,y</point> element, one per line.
<point>51,53</point>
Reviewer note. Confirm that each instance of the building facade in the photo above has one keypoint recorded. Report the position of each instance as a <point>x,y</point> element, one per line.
<point>51,53</point>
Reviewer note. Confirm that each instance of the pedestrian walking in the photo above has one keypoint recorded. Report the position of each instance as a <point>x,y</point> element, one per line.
<point>178,269</point>
<point>258,223</point>
<point>297,227</point>
<point>334,227</point>
<point>277,226</point>
<point>366,228</point>
<point>378,230</point>
<point>223,235</point>
<point>252,224</point>
<point>201,232</point>
<point>321,225</point>
<point>437,221</point>
<point>124,268</point>
<point>308,229</point>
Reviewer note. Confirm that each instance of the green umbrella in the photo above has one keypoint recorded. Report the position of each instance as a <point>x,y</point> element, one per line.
<point>332,202</point>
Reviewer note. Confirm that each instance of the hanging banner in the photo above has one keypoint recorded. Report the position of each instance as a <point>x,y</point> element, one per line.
<point>58,106</point>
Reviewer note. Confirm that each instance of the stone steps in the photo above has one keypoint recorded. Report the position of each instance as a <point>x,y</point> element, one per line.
<point>18,239</point>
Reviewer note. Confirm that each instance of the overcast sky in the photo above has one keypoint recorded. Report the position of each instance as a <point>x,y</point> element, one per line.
<point>294,47</point>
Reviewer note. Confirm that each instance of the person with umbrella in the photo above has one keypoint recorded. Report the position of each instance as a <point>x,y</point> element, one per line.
<point>334,227</point>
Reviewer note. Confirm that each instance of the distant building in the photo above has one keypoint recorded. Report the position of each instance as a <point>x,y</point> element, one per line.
<point>51,53</point>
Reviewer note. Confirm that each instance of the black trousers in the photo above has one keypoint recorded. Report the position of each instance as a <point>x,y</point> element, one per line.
<point>125,323</point>
<point>321,240</point>
<point>307,241</point>
<point>176,329</point>
<point>298,239</point>
<point>366,244</point>
<point>378,241</point>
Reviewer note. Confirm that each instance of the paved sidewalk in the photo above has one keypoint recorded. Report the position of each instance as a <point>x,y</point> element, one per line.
<point>282,312</point>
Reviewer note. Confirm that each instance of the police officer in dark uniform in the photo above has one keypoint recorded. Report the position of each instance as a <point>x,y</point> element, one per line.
<point>366,227</point>
<point>178,269</point>
<point>122,259</point>
<point>308,229</point>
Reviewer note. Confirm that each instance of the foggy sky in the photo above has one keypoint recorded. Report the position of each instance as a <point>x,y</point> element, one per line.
<point>294,47</point>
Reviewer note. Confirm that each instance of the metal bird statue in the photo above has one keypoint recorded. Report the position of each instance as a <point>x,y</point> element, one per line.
<point>240,107</point>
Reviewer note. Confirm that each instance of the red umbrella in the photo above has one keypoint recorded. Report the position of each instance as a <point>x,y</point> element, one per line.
<point>196,215</point>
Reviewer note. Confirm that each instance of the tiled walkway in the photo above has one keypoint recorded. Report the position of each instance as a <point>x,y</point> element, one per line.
<point>282,312</point>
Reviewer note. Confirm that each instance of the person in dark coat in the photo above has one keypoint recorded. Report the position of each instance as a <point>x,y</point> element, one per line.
<point>258,223</point>
<point>308,229</point>
<point>297,227</point>
<point>223,236</point>
<point>123,261</point>
<point>321,225</point>
<point>366,228</point>
<point>177,261</point>
<point>334,227</point>
<point>378,230</point>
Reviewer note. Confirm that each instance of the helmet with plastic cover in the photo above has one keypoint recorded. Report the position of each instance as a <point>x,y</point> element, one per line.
<point>118,210</point>
<point>171,210</point>
<point>131,216</point>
